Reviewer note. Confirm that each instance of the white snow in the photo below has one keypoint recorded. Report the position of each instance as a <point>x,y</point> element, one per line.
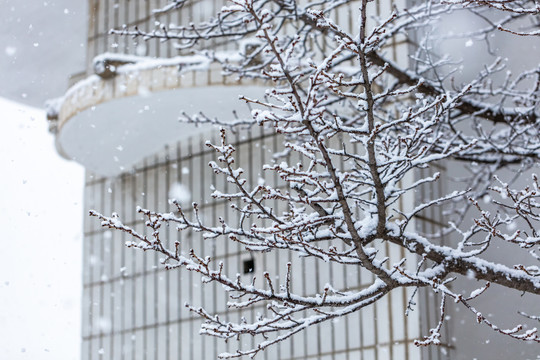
<point>40,265</point>
<point>180,193</point>
<point>10,50</point>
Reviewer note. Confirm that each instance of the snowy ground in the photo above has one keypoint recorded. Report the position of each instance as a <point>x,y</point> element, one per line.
<point>40,242</point>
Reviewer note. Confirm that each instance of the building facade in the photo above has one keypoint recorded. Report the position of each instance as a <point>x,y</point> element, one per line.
<point>120,121</point>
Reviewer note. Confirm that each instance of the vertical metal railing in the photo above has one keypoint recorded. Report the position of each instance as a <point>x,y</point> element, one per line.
<point>134,309</point>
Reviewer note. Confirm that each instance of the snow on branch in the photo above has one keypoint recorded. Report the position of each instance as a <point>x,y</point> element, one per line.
<point>375,139</point>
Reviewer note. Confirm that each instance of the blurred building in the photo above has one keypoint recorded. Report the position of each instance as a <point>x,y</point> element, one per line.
<point>120,120</point>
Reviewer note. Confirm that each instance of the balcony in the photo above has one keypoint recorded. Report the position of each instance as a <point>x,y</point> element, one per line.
<point>131,107</point>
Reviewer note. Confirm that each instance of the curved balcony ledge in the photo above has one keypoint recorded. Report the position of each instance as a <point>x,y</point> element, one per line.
<point>109,124</point>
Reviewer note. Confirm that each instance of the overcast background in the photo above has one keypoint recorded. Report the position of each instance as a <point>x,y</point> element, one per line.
<point>41,43</point>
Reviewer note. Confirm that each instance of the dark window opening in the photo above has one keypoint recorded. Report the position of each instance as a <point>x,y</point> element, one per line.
<point>249,266</point>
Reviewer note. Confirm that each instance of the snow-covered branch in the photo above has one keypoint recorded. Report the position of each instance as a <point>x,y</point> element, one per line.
<point>371,134</point>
